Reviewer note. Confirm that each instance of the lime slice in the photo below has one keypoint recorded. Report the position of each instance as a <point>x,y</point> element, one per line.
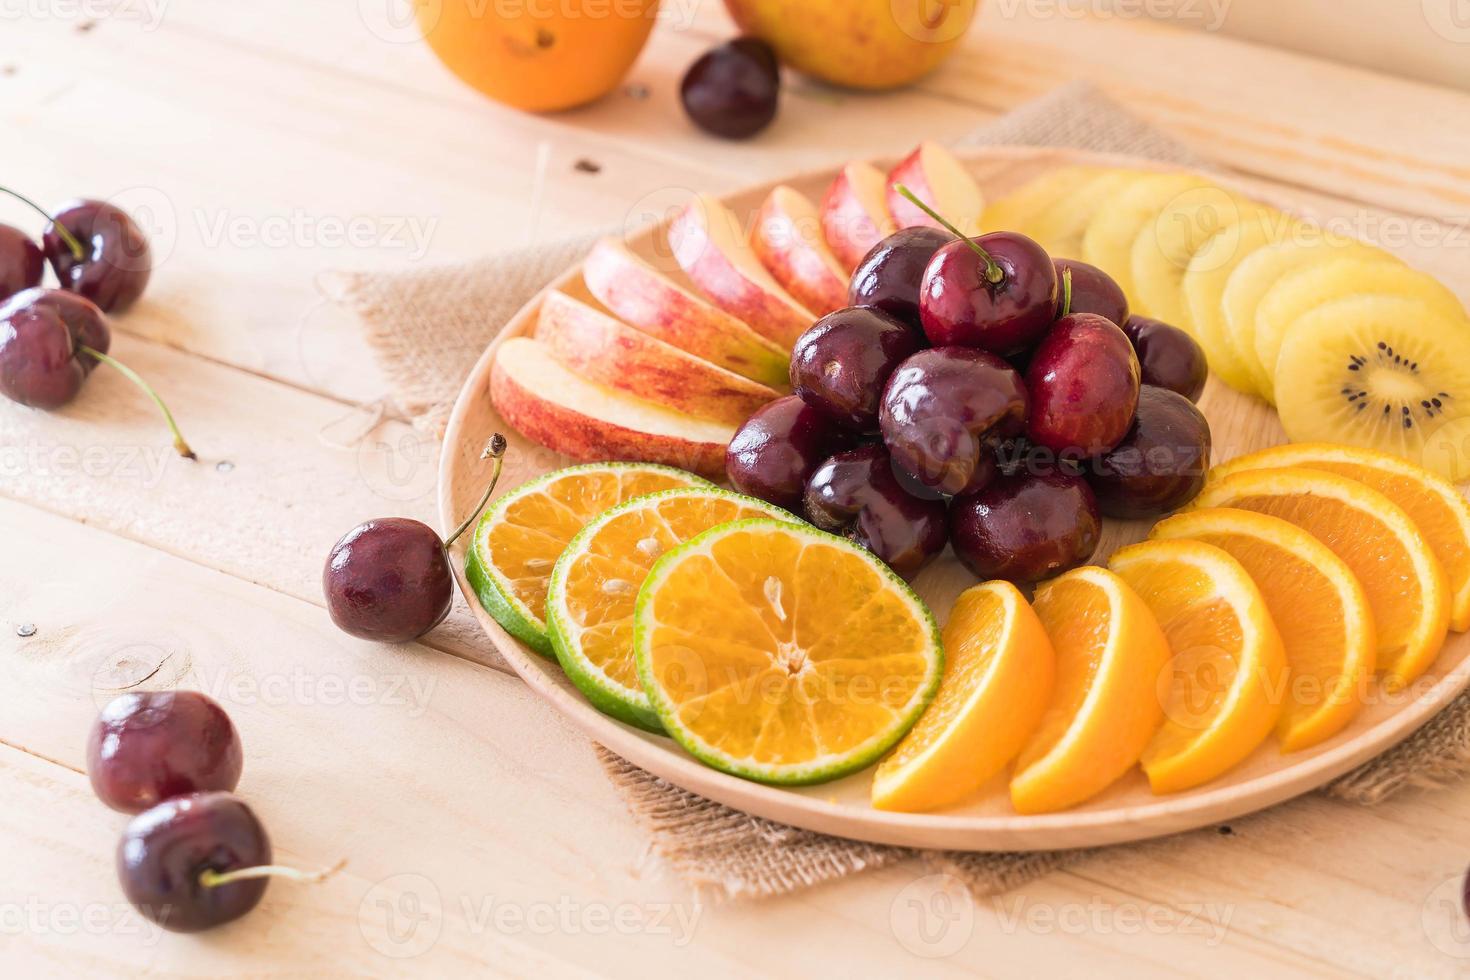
<point>779,653</point>
<point>594,588</point>
<point>523,533</point>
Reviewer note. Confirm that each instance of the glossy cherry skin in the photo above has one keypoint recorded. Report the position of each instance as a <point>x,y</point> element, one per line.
<point>149,746</point>
<point>890,275</point>
<point>944,411</point>
<point>856,494</point>
<point>21,262</point>
<point>1161,464</point>
<point>841,365</point>
<point>388,580</point>
<point>1093,291</point>
<point>1083,380</point>
<point>959,305</point>
<point>776,451</point>
<point>733,89</point>
<point>1168,357</point>
<point>116,260</point>
<point>165,850</point>
<point>41,333</point>
<point>1025,527</point>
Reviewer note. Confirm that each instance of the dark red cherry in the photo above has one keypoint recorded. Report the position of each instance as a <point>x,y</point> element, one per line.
<point>733,89</point>
<point>1093,291</point>
<point>1025,527</point>
<point>148,746</point>
<point>856,494</point>
<point>890,275</point>
<point>169,856</point>
<point>1002,305</point>
<point>1161,464</point>
<point>42,333</point>
<point>944,411</point>
<point>389,579</point>
<point>115,263</point>
<point>778,449</point>
<point>21,262</point>
<point>840,365</point>
<point>1083,381</point>
<point>1168,357</point>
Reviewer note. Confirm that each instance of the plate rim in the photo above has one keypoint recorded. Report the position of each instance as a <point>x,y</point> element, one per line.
<point>970,832</point>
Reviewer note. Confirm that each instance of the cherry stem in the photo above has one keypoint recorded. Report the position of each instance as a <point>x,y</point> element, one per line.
<point>495,448</point>
<point>77,251</point>
<point>180,445</point>
<point>211,878</point>
<point>1066,291</point>
<point>994,274</point>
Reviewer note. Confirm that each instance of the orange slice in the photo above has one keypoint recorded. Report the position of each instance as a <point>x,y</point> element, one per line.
<point>1223,688</point>
<point>1105,707</point>
<point>1318,605</point>
<point>1432,502</point>
<point>1405,584</point>
<point>998,674</point>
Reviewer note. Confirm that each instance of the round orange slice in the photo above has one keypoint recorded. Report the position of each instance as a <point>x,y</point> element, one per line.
<point>1441,512</point>
<point>998,673</point>
<point>1224,686</point>
<point>1406,586</point>
<point>1105,707</point>
<point>1318,605</point>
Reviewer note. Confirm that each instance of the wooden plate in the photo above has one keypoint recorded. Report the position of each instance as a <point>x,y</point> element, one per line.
<point>1128,810</point>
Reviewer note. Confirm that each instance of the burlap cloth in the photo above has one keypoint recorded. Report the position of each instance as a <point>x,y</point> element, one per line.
<point>427,328</point>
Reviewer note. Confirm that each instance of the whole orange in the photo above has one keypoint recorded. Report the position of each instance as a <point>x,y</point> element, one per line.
<point>540,55</point>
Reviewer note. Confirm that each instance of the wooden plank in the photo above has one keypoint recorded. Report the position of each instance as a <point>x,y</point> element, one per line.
<point>437,779</point>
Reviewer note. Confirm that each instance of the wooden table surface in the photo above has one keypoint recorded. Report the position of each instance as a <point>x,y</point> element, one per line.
<point>265,142</point>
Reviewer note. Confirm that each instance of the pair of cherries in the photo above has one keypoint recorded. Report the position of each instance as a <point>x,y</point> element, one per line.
<point>51,339</point>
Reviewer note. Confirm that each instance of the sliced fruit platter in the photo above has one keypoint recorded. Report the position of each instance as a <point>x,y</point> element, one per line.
<point>877,501</point>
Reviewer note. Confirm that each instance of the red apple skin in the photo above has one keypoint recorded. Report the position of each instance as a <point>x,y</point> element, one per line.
<point>1025,527</point>
<point>960,306</point>
<point>1084,381</point>
<point>850,228</point>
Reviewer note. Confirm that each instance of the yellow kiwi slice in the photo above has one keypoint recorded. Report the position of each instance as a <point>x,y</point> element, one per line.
<point>1164,246</point>
<point>1203,287</point>
<point>1059,226</point>
<point>1108,241</point>
<point>1308,287</point>
<point>1017,211</point>
<point>1382,372</point>
<point>1261,270</point>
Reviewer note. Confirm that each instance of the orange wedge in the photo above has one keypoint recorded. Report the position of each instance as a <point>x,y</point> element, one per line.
<point>1224,685</point>
<point>1406,586</point>
<point>998,673</point>
<point>1105,707</point>
<point>1432,502</point>
<point>1318,605</point>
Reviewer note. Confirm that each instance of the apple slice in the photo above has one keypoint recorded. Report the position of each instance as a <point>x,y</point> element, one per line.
<point>940,181</point>
<point>548,404</point>
<point>709,246</point>
<point>659,306</point>
<point>855,213</point>
<point>787,238</point>
<point>603,349</point>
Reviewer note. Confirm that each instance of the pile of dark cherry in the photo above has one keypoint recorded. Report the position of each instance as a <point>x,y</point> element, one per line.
<point>195,855</point>
<point>980,393</point>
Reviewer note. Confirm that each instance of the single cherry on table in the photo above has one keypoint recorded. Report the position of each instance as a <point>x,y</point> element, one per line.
<point>857,494</point>
<point>148,746</point>
<point>945,410</point>
<point>890,275</point>
<point>115,261</point>
<point>776,451</point>
<point>841,364</point>
<point>389,579</point>
<point>733,89</point>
